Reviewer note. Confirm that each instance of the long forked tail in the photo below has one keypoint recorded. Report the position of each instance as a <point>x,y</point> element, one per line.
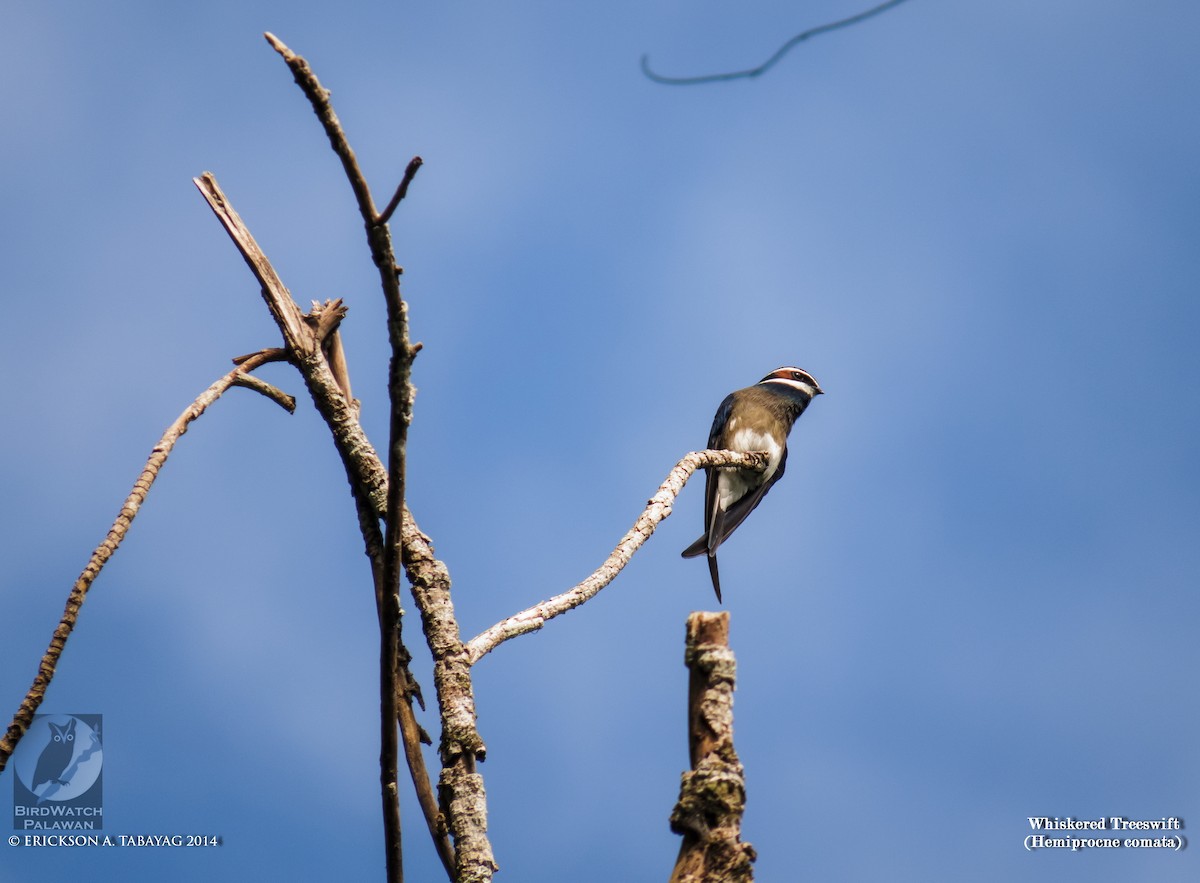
<point>716,577</point>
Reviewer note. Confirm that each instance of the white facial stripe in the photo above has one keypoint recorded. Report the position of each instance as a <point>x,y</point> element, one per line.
<point>805,388</point>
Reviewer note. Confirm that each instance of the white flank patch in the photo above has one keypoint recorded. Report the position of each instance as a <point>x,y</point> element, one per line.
<point>733,484</point>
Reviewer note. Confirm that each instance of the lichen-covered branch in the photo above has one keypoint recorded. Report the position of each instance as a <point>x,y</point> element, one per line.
<point>657,509</point>
<point>412,734</point>
<point>129,510</point>
<point>460,786</point>
<point>410,730</point>
<point>712,796</point>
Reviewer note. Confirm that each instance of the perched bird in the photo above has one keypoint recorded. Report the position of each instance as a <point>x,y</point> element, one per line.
<point>757,418</point>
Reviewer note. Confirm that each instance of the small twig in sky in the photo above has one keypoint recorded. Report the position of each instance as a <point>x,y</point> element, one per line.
<point>273,354</point>
<point>779,53</point>
<point>318,97</point>
<point>401,191</point>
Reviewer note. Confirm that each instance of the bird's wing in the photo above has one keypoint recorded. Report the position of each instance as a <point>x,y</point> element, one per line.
<point>727,522</point>
<point>715,442</point>
<point>700,547</point>
<point>697,548</point>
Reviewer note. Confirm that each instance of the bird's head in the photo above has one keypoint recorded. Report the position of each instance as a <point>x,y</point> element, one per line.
<point>793,378</point>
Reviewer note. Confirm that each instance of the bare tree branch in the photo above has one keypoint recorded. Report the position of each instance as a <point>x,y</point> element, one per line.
<point>460,786</point>
<point>129,510</point>
<point>400,394</point>
<point>657,509</point>
<point>463,798</point>
<point>779,53</point>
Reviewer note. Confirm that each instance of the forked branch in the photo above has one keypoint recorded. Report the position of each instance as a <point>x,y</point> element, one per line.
<point>363,466</point>
<point>401,393</point>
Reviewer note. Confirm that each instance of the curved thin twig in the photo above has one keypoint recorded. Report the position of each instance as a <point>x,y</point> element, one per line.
<point>779,53</point>
<point>274,393</point>
<point>129,510</point>
<point>657,509</point>
<point>318,97</point>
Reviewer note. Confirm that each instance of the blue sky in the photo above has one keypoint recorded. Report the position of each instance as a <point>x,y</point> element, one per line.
<point>973,598</point>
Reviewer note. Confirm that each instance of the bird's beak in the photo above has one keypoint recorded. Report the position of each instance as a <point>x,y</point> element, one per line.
<point>820,391</point>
